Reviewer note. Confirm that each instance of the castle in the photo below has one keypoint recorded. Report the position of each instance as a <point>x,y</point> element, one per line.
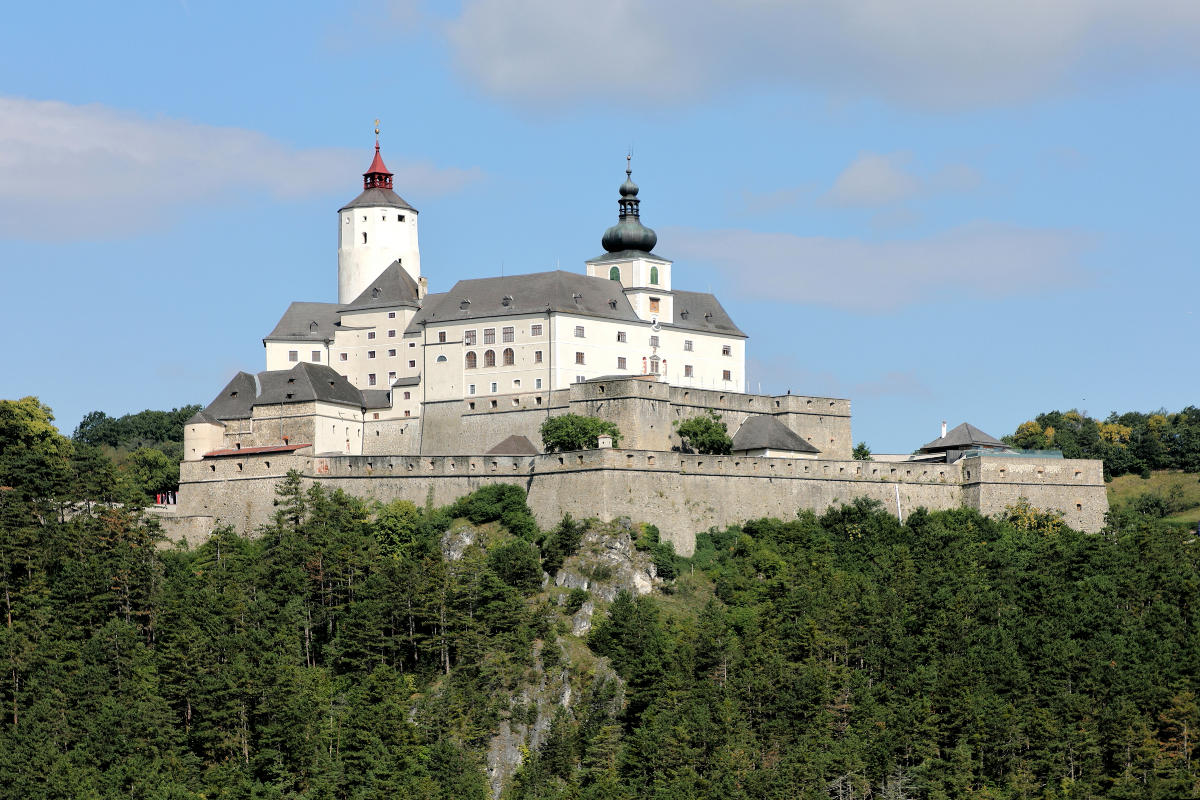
<point>397,392</point>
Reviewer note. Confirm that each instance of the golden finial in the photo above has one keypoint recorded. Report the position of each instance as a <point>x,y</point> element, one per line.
<point>376,127</point>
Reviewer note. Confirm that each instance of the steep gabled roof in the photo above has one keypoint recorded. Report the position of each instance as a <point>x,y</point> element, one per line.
<point>515,445</point>
<point>305,382</point>
<point>235,400</point>
<point>306,322</point>
<point>700,311</point>
<point>765,432</point>
<point>393,287</point>
<point>534,293</point>
<point>965,437</point>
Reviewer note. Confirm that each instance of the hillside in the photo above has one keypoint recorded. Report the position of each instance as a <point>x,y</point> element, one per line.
<point>357,650</point>
<point>1171,494</point>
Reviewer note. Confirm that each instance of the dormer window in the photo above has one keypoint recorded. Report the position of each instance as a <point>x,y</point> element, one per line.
<point>375,291</point>
<point>683,314</point>
<point>464,304</point>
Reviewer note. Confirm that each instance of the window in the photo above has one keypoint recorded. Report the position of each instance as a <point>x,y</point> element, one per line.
<point>364,232</point>
<point>489,335</point>
<point>579,331</point>
<point>391,315</point>
<point>412,344</point>
<point>509,357</point>
<point>654,276</point>
<point>471,362</point>
<point>537,356</point>
<point>489,358</point>
<point>392,334</point>
<point>726,350</point>
<point>507,334</point>
<point>537,383</point>
<point>392,353</point>
<point>370,334</point>
<point>579,358</point>
<point>654,341</point>
<point>517,383</point>
<point>687,371</point>
<point>621,336</point>
<point>408,395</point>
<point>441,336</point>
<point>614,274</point>
<point>371,379</point>
<point>493,386</point>
<point>370,354</point>
<point>316,356</point>
<point>470,388</point>
<point>536,329</point>
<point>412,363</point>
<point>407,413</point>
<point>655,363</point>
<point>620,362</point>
<point>293,355</point>
<point>688,345</point>
<point>342,356</point>
<point>391,377</point>
<point>469,338</point>
<point>725,375</point>
<point>580,378</point>
<point>441,359</point>
<point>654,304</point>
<point>399,218</point>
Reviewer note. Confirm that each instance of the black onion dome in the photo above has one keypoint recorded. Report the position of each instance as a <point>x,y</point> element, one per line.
<point>629,233</point>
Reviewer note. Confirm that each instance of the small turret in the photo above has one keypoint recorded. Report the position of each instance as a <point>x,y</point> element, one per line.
<point>629,233</point>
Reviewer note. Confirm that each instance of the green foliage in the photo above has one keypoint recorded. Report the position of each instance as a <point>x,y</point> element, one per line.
<point>145,428</point>
<point>502,502</point>
<point>661,553</point>
<point>575,600</point>
<point>574,432</point>
<point>861,452</point>
<point>517,564</point>
<point>561,543</point>
<point>706,434</point>
<point>1131,443</point>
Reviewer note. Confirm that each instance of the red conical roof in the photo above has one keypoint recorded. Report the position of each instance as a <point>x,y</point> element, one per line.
<point>377,174</point>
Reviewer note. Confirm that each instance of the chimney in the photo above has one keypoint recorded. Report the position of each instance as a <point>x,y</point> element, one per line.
<point>943,429</point>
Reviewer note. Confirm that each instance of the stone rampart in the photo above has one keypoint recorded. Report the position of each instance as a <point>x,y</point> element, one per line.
<point>680,493</point>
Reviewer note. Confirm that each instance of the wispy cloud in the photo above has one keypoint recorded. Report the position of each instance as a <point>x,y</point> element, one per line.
<point>971,262</point>
<point>779,373</point>
<point>874,180</point>
<point>924,52</point>
<point>75,171</point>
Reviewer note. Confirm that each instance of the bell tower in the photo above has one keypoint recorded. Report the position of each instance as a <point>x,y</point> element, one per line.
<point>375,229</point>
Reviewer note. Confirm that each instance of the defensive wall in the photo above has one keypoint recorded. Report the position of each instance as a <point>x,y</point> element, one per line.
<point>680,493</point>
<point>643,410</point>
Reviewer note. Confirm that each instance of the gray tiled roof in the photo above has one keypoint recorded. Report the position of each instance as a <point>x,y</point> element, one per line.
<point>428,307</point>
<point>235,400</point>
<point>393,287</point>
<point>307,321</point>
<point>964,437</point>
<point>305,382</point>
<point>378,197</point>
<point>762,431</point>
<point>701,311</point>
<point>515,445</point>
<point>537,292</point>
<point>376,398</point>
<point>627,255</point>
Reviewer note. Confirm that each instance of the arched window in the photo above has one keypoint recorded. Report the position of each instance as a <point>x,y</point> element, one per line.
<point>654,276</point>
<point>509,357</point>
<point>489,358</point>
<point>442,359</point>
<point>364,237</point>
<point>471,360</point>
<point>614,274</point>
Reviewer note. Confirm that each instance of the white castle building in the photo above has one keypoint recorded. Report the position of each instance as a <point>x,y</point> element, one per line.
<point>397,392</point>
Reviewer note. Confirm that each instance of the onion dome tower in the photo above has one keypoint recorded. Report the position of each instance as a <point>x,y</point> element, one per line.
<point>375,229</point>
<point>629,234</point>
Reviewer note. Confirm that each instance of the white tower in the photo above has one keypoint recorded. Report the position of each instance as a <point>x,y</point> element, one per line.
<point>375,229</point>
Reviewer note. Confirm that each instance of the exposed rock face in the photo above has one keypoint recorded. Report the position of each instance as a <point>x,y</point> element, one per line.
<point>581,622</point>
<point>607,563</point>
<point>456,540</point>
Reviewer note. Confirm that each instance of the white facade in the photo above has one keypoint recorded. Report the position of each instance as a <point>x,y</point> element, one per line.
<point>371,238</point>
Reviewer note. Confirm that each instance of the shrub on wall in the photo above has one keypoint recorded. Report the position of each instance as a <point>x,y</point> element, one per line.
<point>576,432</point>
<point>706,434</point>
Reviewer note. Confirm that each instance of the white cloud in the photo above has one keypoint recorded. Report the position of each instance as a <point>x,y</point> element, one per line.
<point>874,180</point>
<point>982,260</point>
<point>76,171</point>
<point>928,52</point>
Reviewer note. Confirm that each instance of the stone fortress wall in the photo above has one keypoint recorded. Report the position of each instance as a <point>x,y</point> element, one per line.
<point>680,493</point>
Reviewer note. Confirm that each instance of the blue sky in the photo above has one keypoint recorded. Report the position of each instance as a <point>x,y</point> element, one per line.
<point>963,211</point>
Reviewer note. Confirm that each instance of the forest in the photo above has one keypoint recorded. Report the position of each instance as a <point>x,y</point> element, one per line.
<point>1133,442</point>
<point>345,651</point>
